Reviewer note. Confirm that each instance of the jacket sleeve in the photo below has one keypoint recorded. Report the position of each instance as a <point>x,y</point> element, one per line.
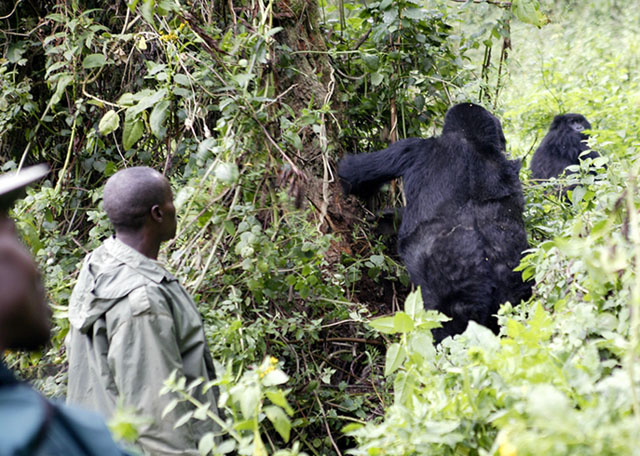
<point>143,351</point>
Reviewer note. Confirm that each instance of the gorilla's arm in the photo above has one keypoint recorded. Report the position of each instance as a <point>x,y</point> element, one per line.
<point>363,174</point>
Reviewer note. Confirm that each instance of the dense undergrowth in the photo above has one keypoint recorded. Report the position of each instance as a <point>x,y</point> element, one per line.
<point>562,378</point>
<point>286,272</point>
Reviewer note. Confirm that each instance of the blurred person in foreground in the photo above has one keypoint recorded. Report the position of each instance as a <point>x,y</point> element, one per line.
<point>29,423</point>
<point>133,324</point>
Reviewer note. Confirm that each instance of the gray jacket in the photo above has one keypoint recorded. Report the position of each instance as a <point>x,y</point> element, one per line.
<point>132,324</point>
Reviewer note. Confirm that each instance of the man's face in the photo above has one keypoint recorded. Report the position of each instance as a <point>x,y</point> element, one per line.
<point>24,314</point>
<point>169,221</point>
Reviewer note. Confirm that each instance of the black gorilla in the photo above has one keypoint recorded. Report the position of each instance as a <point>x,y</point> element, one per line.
<point>561,147</point>
<point>462,232</point>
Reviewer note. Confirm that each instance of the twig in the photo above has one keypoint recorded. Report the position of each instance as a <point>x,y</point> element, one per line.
<point>497,3</point>
<point>63,171</point>
<point>12,11</point>
<point>326,424</point>
<point>353,339</point>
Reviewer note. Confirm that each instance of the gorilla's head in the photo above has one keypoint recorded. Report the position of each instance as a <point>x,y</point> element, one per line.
<point>570,123</point>
<point>477,125</point>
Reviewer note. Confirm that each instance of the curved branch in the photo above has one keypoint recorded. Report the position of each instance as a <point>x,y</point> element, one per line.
<point>498,3</point>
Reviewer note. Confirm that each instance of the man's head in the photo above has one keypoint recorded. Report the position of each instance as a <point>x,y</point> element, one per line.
<point>24,314</point>
<point>140,198</point>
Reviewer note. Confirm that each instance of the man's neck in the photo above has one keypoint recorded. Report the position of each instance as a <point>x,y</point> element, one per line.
<point>140,242</point>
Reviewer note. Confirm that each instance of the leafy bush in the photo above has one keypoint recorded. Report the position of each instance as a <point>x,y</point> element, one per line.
<point>246,110</point>
<point>562,378</point>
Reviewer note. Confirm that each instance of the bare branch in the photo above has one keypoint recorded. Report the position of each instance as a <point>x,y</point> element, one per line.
<point>498,3</point>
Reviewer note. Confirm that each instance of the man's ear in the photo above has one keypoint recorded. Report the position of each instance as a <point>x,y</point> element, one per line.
<point>156,213</point>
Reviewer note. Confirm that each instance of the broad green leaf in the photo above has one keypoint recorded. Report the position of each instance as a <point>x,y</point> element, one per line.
<point>413,304</point>
<point>422,344</point>
<point>132,5</point>
<point>414,13</point>
<point>227,172</point>
<point>15,51</point>
<point>249,399</point>
<point>201,412</point>
<point>109,122</point>
<point>126,99</point>
<point>147,10</point>
<point>351,427</point>
<point>278,398</point>
<point>389,16</point>
<point>227,446</point>
<point>371,61</point>
<point>206,444</point>
<point>94,61</point>
<point>147,101</point>
<point>528,11</point>
<point>279,420</point>
<point>378,260</point>
<point>402,322</point>
<point>53,68</point>
<point>275,377</point>
<point>577,194</point>
<point>182,79</point>
<point>243,78</point>
<point>396,355</point>
<point>158,117</point>
<point>62,82</point>
<point>384,325</point>
<point>402,386</point>
<point>132,132</point>
<point>376,79</point>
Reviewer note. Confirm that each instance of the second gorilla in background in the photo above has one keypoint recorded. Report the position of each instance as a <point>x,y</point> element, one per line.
<point>562,146</point>
<point>462,232</point>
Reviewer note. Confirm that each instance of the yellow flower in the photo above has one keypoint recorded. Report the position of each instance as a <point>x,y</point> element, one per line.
<point>273,360</point>
<point>171,36</point>
<point>507,449</point>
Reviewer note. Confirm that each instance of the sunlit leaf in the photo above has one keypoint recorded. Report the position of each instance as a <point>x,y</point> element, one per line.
<point>158,117</point>
<point>384,325</point>
<point>109,122</point>
<point>396,355</point>
<point>279,420</point>
<point>249,400</point>
<point>528,11</point>
<point>132,132</point>
<point>402,322</point>
<point>94,61</point>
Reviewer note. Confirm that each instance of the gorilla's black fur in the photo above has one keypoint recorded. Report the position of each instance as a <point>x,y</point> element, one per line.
<point>561,147</point>
<point>462,232</point>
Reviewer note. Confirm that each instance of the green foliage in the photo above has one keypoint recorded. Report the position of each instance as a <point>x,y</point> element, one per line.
<point>249,400</point>
<point>562,377</point>
<point>210,97</point>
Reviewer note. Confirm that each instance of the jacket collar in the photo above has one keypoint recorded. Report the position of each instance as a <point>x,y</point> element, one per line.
<point>134,259</point>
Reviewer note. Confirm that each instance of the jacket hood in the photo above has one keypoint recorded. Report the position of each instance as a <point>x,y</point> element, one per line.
<point>108,274</point>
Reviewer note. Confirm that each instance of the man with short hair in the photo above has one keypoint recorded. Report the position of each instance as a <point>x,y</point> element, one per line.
<point>29,423</point>
<point>132,323</point>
